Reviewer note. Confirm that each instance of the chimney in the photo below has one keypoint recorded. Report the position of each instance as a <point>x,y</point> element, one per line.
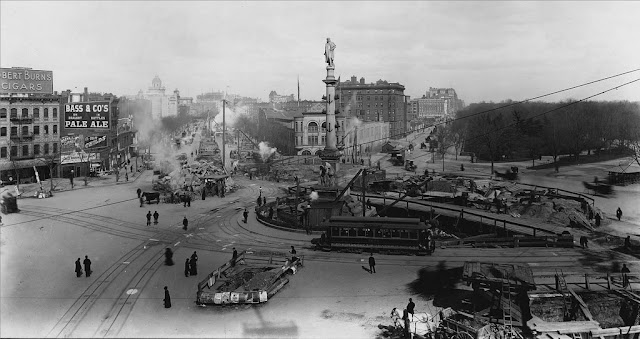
<point>354,79</point>
<point>361,81</point>
<point>86,94</point>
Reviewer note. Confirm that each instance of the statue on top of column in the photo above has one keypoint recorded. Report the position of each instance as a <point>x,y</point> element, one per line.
<point>328,52</point>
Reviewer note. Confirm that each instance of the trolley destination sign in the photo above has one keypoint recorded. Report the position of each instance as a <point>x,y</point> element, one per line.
<point>83,115</point>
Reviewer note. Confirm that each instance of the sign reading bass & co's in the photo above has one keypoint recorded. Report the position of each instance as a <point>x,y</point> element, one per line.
<point>25,80</point>
<point>94,114</point>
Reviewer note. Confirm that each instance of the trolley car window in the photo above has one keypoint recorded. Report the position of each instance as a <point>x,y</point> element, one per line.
<point>335,231</point>
<point>404,234</point>
<point>362,232</point>
<point>413,235</point>
<point>344,232</point>
<point>395,234</point>
<point>352,232</point>
<point>378,233</point>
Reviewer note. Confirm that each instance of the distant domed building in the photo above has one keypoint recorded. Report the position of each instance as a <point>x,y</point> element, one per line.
<point>162,105</point>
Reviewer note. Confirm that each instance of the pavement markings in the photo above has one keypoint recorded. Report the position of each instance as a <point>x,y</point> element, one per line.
<point>132,291</point>
<point>151,239</point>
<point>176,244</point>
<point>126,262</point>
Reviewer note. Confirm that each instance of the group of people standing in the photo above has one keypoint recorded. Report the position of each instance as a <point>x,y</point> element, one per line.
<point>191,265</point>
<point>155,218</point>
<point>87,267</point>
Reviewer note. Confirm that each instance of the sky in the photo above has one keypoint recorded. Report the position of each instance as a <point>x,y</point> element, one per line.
<point>486,51</point>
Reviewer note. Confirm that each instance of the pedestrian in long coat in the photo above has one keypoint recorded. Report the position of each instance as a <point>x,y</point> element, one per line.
<point>139,191</point>
<point>245,215</point>
<point>372,264</point>
<point>187,268</point>
<point>167,298</point>
<point>155,217</point>
<point>78,268</point>
<point>168,257</point>
<point>87,266</point>
<point>234,257</point>
<point>203,193</point>
<point>271,212</point>
<point>141,201</point>
<point>619,213</point>
<point>598,218</point>
<point>185,223</point>
<point>194,263</point>
<point>264,200</point>
<point>149,218</point>
<point>189,200</point>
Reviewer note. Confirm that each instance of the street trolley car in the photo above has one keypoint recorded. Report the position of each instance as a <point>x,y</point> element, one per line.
<point>375,234</point>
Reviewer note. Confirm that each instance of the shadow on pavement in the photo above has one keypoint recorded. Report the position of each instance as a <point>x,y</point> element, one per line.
<point>268,329</point>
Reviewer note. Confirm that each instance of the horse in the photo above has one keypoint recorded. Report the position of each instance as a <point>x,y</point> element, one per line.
<point>419,323</point>
<point>150,196</point>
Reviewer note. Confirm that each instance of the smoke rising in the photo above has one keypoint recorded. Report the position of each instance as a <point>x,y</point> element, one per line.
<point>266,151</point>
<point>313,196</point>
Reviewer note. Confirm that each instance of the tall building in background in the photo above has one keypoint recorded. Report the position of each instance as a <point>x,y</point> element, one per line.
<point>162,105</point>
<point>437,103</point>
<point>276,98</point>
<point>29,125</point>
<point>379,101</point>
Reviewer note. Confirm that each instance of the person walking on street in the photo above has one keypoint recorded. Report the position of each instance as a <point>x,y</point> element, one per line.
<point>185,223</point>
<point>259,201</point>
<point>583,241</point>
<point>168,257</point>
<point>598,218</point>
<point>167,298</point>
<point>187,268</point>
<point>139,191</point>
<point>184,200</point>
<point>625,275</point>
<point>372,264</point>
<point>188,200</point>
<point>87,266</point>
<point>234,257</point>
<point>126,176</point>
<point>155,217</point>
<point>619,213</point>
<point>78,268</point>
<point>270,212</point>
<point>194,263</point>
<point>141,201</point>
<point>149,218</point>
<point>411,306</point>
<point>245,215</point>
<point>293,254</point>
<point>264,200</point>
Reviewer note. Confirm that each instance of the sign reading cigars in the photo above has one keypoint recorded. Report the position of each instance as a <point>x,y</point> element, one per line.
<point>83,115</point>
<point>22,80</point>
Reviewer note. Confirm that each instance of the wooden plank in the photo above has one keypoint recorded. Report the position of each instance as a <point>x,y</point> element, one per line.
<point>628,295</point>
<point>615,331</point>
<point>583,305</point>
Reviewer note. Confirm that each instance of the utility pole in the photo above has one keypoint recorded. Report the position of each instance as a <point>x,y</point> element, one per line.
<point>364,192</point>
<point>224,131</point>
<point>297,194</point>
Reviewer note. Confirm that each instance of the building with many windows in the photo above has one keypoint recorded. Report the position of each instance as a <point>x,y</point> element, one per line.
<point>379,101</point>
<point>437,103</point>
<point>29,136</point>
<point>354,137</point>
<point>275,97</point>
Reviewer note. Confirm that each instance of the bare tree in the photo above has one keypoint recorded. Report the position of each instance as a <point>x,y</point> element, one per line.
<point>50,160</point>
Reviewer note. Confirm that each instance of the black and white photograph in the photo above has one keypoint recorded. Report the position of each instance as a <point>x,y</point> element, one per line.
<point>323,169</point>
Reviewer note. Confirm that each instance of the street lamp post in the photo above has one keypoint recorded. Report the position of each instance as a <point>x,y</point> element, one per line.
<point>224,132</point>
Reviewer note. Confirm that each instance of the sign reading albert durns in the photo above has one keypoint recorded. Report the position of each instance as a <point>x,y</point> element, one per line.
<point>82,115</point>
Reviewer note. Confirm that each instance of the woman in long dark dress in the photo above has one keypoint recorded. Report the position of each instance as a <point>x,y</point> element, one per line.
<point>78,268</point>
<point>167,298</point>
<point>194,264</point>
<point>168,254</point>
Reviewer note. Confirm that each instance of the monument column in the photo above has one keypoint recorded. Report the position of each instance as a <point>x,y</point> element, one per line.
<point>330,154</point>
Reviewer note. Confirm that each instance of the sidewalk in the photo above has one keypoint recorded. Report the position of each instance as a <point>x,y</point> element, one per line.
<point>64,184</point>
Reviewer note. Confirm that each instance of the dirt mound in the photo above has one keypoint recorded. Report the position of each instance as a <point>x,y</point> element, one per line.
<point>539,211</point>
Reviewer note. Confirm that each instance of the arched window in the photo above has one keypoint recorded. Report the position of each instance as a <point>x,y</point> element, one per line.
<point>306,152</point>
<point>25,112</point>
<point>312,127</point>
<point>3,113</point>
<point>36,113</point>
<point>14,113</point>
<point>318,152</point>
<point>25,130</point>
